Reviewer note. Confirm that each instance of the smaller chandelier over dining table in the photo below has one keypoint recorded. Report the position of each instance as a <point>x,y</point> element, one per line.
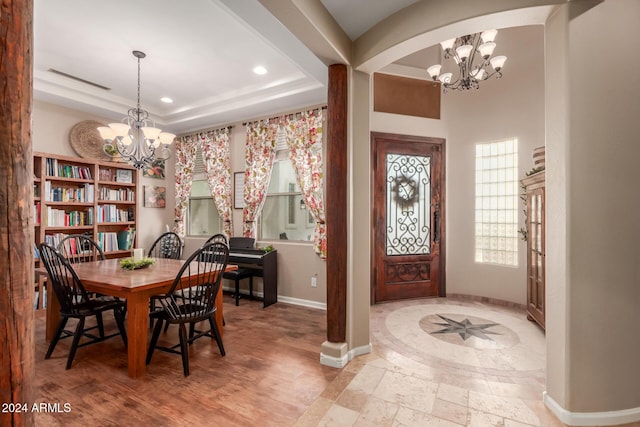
<point>135,138</point>
<point>472,56</point>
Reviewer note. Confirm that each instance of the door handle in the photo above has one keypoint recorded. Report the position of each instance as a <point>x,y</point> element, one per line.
<point>436,223</point>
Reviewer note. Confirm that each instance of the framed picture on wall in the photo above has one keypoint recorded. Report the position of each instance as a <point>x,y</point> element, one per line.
<point>155,170</point>
<point>238,190</point>
<point>155,197</point>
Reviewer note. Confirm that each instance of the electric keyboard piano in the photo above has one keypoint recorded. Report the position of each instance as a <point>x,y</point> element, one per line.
<point>263,265</point>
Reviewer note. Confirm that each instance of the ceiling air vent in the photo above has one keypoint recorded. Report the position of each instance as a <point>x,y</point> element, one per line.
<point>60,73</point>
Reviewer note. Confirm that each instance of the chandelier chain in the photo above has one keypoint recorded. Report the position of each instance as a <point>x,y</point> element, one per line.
<point>139,84</point>
<point>136,139</point>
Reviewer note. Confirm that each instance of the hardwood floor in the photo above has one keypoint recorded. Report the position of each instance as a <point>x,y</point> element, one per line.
<point>270,375</point>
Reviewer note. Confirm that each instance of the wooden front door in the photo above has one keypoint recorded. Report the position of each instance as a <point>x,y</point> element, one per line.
<point>408,212</point>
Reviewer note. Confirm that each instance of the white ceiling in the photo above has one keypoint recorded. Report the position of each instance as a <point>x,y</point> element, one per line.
<point>200,54</point>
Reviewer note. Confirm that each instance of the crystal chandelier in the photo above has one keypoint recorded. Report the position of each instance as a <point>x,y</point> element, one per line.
<point>135,138</point>
<point>472,55</point>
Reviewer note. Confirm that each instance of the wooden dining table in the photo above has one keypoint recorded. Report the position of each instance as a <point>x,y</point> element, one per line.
<point>136,286</point>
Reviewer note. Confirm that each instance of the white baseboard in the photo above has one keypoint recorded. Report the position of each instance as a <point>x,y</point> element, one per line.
<point>341,362</point>
<point>334,362</point>
<point>303,302</point>
<point>287,300</point>
<point>609,418</point>
<point>359,351</point>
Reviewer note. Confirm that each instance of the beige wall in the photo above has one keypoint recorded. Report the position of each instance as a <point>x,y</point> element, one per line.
<point>556,192</point>
<point>359,204</point>
<point>593,290</point>
<point>51,124</point>
<point>512,106</point>
<point>603,206</point>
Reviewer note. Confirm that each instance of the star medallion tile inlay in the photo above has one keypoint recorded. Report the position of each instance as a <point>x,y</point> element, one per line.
<point>465,328</point>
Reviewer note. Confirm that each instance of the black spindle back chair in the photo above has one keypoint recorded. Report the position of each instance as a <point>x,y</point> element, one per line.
<point>77,248</point>
<point>216,238</point>
<point>80,248</point>
<point>168,245</point>
<point>221,238</point>
<point>76,303</point>
<point>192,299</point>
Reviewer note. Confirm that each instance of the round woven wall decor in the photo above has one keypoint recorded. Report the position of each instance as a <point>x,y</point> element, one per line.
<point>86,142</point>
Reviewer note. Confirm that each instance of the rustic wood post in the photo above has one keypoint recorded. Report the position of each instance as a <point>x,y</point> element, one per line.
<point>336,202</point>
<point>16,203</point>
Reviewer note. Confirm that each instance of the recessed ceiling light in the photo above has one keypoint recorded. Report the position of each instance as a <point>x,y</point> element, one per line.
<point>166,100</point>
<point>260,70</point>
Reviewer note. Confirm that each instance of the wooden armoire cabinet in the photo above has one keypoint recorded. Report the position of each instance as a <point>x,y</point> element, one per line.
<point>535,197</point>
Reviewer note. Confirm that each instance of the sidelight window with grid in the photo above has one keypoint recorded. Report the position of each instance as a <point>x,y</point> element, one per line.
<point>496,212</point>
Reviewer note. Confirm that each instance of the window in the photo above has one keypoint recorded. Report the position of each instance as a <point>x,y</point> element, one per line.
<point>497,202</point>
<point>284,215</point>
<point>203,218</point>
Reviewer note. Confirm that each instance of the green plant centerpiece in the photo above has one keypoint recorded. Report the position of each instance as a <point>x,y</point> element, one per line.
<point>130,264</point>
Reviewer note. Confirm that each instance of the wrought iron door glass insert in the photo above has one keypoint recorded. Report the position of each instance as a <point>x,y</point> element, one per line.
<point>408,204</point>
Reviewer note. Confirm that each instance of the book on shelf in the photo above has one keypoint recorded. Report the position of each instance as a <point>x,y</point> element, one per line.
<point>106,174</point>
<point>108,241</point>
<point>117,194</point>
<point>126,239</point>
<point>62,218</point>
<point>36,213</point>
<point>84,194</point>
<point>36,303</point>
<point>54,239</point>
<point>54,168</point>
<point>111,213</point>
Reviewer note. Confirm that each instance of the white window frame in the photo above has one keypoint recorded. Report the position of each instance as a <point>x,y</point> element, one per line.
<point>200,175</point>
<point>282,155</point>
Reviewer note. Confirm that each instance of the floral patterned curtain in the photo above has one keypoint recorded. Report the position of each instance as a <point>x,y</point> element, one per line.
<point>304,136</point>
<point>185,156</point>
<point>260,153</point>
<point>217,166</point>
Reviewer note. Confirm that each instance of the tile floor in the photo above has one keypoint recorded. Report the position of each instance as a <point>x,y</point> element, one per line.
<point>428,370</point>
